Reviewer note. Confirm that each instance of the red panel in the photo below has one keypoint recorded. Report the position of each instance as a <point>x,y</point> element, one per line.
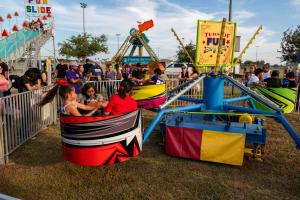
<point>183,142</point>
<point>95,156</point>
<point>191,143</point>
<point>174,137</point>
<point>145,26</point>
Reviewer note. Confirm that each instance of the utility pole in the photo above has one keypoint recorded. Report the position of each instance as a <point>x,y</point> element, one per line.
<point>230,10</point>
<point>83,6</point>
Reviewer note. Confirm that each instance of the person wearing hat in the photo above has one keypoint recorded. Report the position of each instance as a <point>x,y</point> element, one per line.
<point>73,76</point>
<point>184,74</point>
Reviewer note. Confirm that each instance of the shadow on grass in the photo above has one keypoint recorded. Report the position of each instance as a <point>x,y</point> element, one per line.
<point>44,149</point>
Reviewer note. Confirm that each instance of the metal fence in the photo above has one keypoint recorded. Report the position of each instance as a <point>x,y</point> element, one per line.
<point>21,119</point>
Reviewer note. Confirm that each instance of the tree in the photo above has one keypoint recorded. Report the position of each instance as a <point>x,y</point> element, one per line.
<point>290,45</point>
<point>82,46</point>
<point>181,55</point>
<point>258,63</point>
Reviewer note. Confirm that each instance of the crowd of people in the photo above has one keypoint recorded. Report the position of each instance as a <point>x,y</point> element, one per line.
<point>79,94</point>
<point>271,78</point>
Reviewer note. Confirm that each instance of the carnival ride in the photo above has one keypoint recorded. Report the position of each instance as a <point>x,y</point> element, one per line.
<point>95,141</point>
<point>147,96</point>
<point>284,98</point>
<point>150,96</point>
<point>215,128</point>
<point>25,42</point>
<point>137,39</point>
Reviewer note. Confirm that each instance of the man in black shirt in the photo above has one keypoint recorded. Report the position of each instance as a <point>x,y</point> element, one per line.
<point>61,69</point>
<point>89,68</point>
<point>274,80</point>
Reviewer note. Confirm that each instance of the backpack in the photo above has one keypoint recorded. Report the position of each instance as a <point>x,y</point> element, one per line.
<point>15,81</point>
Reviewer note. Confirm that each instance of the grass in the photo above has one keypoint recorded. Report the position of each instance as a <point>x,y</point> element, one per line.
<point>39,172</point>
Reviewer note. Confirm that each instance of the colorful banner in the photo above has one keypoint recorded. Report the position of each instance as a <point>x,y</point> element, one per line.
<point>37,8</point>
<point>208,38</point>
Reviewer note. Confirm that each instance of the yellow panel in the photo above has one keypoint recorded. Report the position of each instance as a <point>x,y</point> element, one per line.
<point>222,147</point>
<point>208,36</point>
<point>148,91</point>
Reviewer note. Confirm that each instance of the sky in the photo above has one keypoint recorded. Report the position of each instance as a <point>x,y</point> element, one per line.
<point>119,16</point>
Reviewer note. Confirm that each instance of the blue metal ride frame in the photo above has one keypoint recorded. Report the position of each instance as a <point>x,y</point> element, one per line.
<point>213,99</point>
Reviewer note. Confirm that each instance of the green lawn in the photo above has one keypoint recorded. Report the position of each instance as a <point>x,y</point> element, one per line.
<point>38,171</point>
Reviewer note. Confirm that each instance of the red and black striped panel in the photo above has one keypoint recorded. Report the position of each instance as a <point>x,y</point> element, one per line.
<point>105,127</point>
<point>101,155</point>
<point>103,142</point>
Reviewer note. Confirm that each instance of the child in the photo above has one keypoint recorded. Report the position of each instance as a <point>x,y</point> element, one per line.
<point>89,97</point>
<point>156,78</point>
<point>122,102</point>
<point>71,106</point>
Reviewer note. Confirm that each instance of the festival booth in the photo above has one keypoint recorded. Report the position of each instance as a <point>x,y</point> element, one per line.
<point>96,141</point>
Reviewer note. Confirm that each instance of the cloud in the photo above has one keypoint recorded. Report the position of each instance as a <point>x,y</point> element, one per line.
<point>120,17</point>
<point>266,49</point>
<point>296,2</point>
<point>112,20</point>
<point>243,15</point>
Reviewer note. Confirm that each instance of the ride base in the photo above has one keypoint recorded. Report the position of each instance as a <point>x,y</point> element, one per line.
<point>217,129</point>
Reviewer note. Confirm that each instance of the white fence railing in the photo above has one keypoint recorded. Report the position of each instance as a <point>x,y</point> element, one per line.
<point>21,118</point>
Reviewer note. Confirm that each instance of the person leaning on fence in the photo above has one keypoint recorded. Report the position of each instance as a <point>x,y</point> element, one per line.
<point>61,70</point>
<point>122,102</point>
<point>4,67</point>
<point>73,76</point>
<point>82,76</point>
<point>4,83</point>
<point>110,75</point>
<point>44,79</point>
<point>118,72</point>
<point>71,106</point>
<point>184,74</point>
<point>89,67</point>
<point>195,74</point>
<point>30,80</point>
